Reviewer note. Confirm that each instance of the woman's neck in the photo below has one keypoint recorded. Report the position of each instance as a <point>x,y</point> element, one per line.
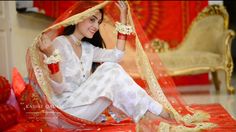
<point>78,36</point>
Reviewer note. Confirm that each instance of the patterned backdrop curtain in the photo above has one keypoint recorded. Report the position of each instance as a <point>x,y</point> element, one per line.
<point>166,20</point>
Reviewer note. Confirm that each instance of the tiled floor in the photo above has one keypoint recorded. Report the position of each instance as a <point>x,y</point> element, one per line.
<point>206,94</point>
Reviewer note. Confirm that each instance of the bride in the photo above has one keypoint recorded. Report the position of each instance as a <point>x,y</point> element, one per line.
<point>85,94</point>
<point>85,79</point>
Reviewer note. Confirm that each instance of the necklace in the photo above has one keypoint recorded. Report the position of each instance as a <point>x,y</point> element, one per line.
<point>76,41</point>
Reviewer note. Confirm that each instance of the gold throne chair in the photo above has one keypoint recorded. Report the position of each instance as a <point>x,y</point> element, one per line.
<point>205,48</point>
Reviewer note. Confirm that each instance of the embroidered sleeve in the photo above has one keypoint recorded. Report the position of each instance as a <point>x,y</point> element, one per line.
<point>107,55</point>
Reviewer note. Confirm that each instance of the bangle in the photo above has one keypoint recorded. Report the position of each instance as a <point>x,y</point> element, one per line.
<point>54,58</point>
<point>53,61</point>
<point>53,67</point>
<point>124,29</point>
<point>121,36</point>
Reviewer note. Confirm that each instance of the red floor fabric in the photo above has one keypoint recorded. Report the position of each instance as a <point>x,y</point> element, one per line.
<point>26,126</point>
<point>39,127</point>
<point>218,115</point>
<point>42,127</point>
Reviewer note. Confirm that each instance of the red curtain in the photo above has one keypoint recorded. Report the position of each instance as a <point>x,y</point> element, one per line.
<point>52,8</point>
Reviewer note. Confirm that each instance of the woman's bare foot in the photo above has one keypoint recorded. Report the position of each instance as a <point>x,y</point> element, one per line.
<point>166,114</point>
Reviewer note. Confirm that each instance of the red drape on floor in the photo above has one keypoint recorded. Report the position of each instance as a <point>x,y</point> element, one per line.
<point>218,115</point>
<point>166,20</point>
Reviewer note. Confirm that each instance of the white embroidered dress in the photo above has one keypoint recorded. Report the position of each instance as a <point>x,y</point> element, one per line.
<point>86,95</point>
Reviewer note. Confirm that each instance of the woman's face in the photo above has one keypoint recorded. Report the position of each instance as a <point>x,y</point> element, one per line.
<point>89,26</point>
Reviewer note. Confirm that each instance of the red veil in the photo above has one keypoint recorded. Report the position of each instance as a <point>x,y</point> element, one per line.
<point>159,84</point>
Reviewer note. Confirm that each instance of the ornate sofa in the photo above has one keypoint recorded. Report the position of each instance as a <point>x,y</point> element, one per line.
<point>205,48</point>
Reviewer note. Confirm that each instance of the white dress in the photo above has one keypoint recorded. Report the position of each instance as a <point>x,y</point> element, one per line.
<point>87,95</point>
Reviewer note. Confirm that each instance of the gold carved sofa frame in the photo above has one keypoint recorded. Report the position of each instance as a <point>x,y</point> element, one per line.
<point>205,48</point>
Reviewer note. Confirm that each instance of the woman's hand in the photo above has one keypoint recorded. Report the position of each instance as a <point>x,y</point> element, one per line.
<point>45,45</point>
<point>123,10</point>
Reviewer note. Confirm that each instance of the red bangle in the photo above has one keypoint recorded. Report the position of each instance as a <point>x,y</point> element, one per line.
<point>54,67</point>
<point>121,36</point>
